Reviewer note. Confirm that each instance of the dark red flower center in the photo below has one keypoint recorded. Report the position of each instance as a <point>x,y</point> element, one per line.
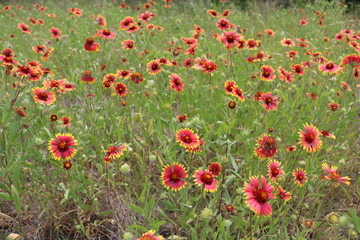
<point>310,137</point>
<point>269,143</point>
<point>288,42</point>
<point>261,196</point>
<point>63,146</point>
<point>186,138</point>
<point>251,44</point>
<point>87,73</point>
<point>268,100</point>
<point>43,96</point>
<point>89,41</point>
<point>266,74</point>
<point>299,177</point>
<point>106,32</point>
<point>223,23</point>
<point>334,175</point>
<point>177,82</point>
<point>155,66</point>
<point>330,66</point>
<point>111,150</point>
<point>207,178</point>
<point>274,172</point>
<point>230,38</point>
<point>175,177</point>
<point>130,45</point>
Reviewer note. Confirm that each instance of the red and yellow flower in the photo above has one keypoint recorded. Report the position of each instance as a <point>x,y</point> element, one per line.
<point>62,146</point>
<point>173,176</point>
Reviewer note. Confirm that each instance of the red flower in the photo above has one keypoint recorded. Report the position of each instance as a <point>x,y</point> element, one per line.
<point>206,178</point>
<point>154,67</point>
<point>230,39</point>
<point>66,120</point>
<point>283,194</point>
<point>61,147</point>
<point>309,139</point>
<point>270,102</point>
<point>126,23</point>
<point>175,83</point>
<point>223,24</point>
<point>334,176</point>
<point>105,34</point>
<point>215,168</point>
<point>329,67</point>
<point>274,170</point>
<point>287,42</point>
<point>299,176</point>
<point>267,73</point>
<point>187,138</point>
<point>136,77</point>
<point>87,78</point>
<point>267,146</point>
<point>173,176</point>
<point>114,152</point>
<point>120,89</point>
<point>91,46</point>
<point>257,196</point>
<point>43,96</point>
<point>55,32</point>
<point>128,44</point>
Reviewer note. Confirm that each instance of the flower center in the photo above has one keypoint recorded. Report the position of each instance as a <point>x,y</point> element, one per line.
<point>89,41</point>
<point>207,178</point>
<point>186,138</point>
<point>106,32</point>
<point>261,196</point>
<point>230,38</point>
<point>275,172</point>
<point>154,67</point>
<point>266,74</point>
<point>334,175</point>
<point>310,137</point>
<point>223,23</point>
<point>175,177</point>
<point>63,146</point>
<point>329,66</point>
<point>269,100</point>
<point>43,96</point>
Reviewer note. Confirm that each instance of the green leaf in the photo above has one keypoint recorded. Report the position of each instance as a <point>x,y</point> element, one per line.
<point>5,196</point>
<point>137,209</point>
<point>16,197</point>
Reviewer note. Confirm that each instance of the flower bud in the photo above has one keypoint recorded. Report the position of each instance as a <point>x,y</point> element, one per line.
<point>125,168</point>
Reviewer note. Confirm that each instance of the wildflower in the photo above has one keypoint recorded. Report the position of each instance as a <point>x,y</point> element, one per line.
<point>91,46</point>
<point>327,134</point>
<point>120,89</point>
<point>187,138</point>
<point>309,139</point>
<point>298,69</point>
<point>215,168</point>
<point>206,178</point>
<point>47,54</point>
<point>313,96</point>
<point>213,13</point>
<point>176,83</point>
<point>230,39</point>
<point>173,176</point>
<point>270,32</point>
<point>329,67</point>
<point>292,54</point>
<point>136,77</point>
<point>257,96</point>
<point>229,208</point>
<point>150,236</point>
<point>43,96</point>
<point>283,194</point>
<point>182,118</point>
<point>223,24</point>
<point>231,104</point>
<point>299,176</point>
<point>67,165</point>
<point>308,223</point>
<point>252,44</point>
<point>238,93</point>
<point>270,102</point>
<point>209,66</point>
<point>352,60</point>
<point>87,78</point>
<point>123,73</point>
<point>66,121</point>
<point>287,42</point>
<point>154,67</point>
<point>128,44</point>
<point>61,147</point>
<point>257,196</point>
<point>24,28</point>
<point>101,20</point>
<point>188,63</point>
<point>53,84</point>
<point>267,73</point>
<point>285,76</point>
<point>189,41</point>
<point>105,34</point>
<point>274,170</point>
<point>334,176</point>
<point>114,152</point>
<point>126,23</point>
<point>55,32</point>
<point>230,87</point>
<point>334,106</point>
<point>53,117</point>
<point>267,146</point>
<point>39,49</point>
<point>291,148</point>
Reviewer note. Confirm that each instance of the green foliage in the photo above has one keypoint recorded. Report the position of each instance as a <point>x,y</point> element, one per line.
<point>95,199</point>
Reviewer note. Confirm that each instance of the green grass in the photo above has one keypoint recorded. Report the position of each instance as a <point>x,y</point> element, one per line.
<point>98,200</point>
